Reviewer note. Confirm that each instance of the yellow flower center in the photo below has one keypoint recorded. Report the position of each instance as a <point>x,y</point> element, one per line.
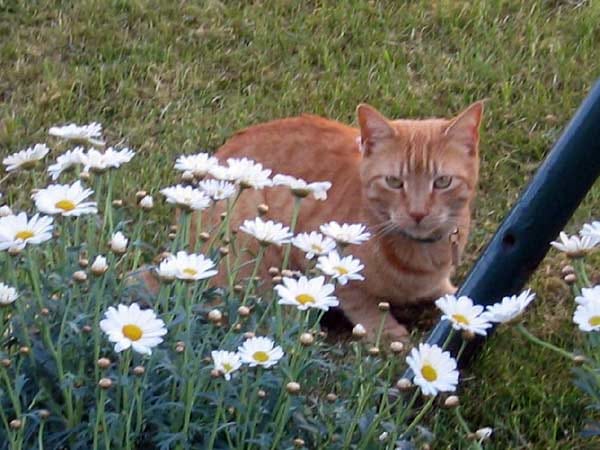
<point>428,372</point>
<point>341,270</point>
<point>317,248</point>
<point>259,356</point>
<point>25,234</point>
<point>460,319</point>
<point>191,272</point>
<point>594,321</point>
<point>303,299</point>
<point>132,332</point>
<point>65,205</point>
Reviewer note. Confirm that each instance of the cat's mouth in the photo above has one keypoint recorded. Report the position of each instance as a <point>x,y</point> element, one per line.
<point>434,237</point>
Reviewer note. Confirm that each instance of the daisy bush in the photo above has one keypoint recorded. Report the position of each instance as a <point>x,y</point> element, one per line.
<point>107,341</point>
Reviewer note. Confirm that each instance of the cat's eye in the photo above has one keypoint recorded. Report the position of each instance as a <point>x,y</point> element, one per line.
<point>394,182</point>
<point>442,182</point>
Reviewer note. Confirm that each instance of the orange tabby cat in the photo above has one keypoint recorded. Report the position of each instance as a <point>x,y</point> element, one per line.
<point>412,182</point>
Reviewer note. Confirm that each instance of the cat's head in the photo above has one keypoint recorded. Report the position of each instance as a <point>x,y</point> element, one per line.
<point>419,176</point>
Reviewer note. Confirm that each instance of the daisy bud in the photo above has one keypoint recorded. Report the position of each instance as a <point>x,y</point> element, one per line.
<point>215,315</point>
<point>86,329</point>
<point>359,331</point>
<point>298,442</point>
<point>570,278</point>
<point>105,383</point>
<point>117,203</point>
<point>322,334</point>
<point>383,436</point>
<point>79,276</point>
<point>223,251</point>
<point>244,311</point>
<point>204,236</point>
<point>287,273</point>
<point>180,346</point>
<point>452,401</point>
<point>566,270</point>
<point>14,251</point>
<point>16,424</point>
<point>396,346</point>
<point>5,362</point>
<point>484,433</point>
<point>215,373</point>
<point>223,216</point>
<point>273,271</point>
<point>99,266</point>
<point>172,236</point>
<point>139,371</point>
<point>83,262</point>
<point>292,387</point>
<point>238,288</point>
<point>263,209</point>
<point>5,211</point>
<point>147,202</point>
<point>55,296</point>
<point>103,363</point>
<point>140,195</point>
<point>249,334</point>
<point>383,306</point>
<point>45,312</point>
<point>225,240</point>
<point>261,393</point>
<point>173,228</point>
<point>277,279</point>
<point>24,350</point>
<point>118,243</point>
<point>306,339</point>
<point>374,351</point>
<point>85,176</point>
<point>468,335</point>
<point>187,177</point>
<point>404,384</point>
<point>331,397</point>
<point>579,359</point>
<point>44,414</point>
<point>237,327</point>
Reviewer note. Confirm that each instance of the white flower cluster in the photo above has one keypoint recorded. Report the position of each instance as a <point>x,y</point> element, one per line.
<point>577,246</point>
<point>256,351</point>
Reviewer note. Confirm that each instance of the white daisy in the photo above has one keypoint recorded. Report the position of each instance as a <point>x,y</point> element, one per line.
<point>199,164</point>
<point>65,162</point>
<point>301,188</point>
<point>573,246</point>
<point>435,370</point>
<point>342,269</point>
<point>509,307</point>
<point>587,316</point>
<point>190,267</point>
<point>25,159</point>
<point>226,362</point>
<point>245,172</point>
<point>463,314</point>
<point>589,295</point>
<point>260,351</point>
<point>186,197</point>
<point>130,326</point>
<point>591,230</point>
<point>346,233</point>
<point>313,244</point>
<point>17,231</point>
<point>118,242</point>
<point>306,293</point>
<point>268,232</point>
<point>98,161</point>
<point>64,199</point>
<point>167,269</point>
<point>84,133</point>
<point>218,189</point>
<point>99,266</point>
<point>8,294</point>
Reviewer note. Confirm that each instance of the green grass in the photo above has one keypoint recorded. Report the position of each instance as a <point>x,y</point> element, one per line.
<point>170,77</point>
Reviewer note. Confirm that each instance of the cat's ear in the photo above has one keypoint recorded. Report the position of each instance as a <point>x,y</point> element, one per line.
<point>463,130</point>
<point>373,127</point>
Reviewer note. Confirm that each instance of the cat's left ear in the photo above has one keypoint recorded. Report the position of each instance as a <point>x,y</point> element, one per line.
<point>463,130</point>
<point>374,127</point>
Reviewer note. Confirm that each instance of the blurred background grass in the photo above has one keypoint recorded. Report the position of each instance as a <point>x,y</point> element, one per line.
<point>170,77</point>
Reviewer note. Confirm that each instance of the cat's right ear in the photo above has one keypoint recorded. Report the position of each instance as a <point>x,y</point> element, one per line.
<point>373,127</point>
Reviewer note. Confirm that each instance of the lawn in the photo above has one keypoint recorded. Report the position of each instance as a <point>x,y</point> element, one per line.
<point>171,77</point>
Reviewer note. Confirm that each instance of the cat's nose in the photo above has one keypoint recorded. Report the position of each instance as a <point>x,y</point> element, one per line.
<point>417,216</point>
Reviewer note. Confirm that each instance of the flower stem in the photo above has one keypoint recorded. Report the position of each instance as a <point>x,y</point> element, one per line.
<point>288,246</point>
<point>543,343</point>
<point>418,417</point>
<point>250,285</point>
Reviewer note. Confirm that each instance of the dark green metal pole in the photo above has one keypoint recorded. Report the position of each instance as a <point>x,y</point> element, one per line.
<point>542,211</point>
